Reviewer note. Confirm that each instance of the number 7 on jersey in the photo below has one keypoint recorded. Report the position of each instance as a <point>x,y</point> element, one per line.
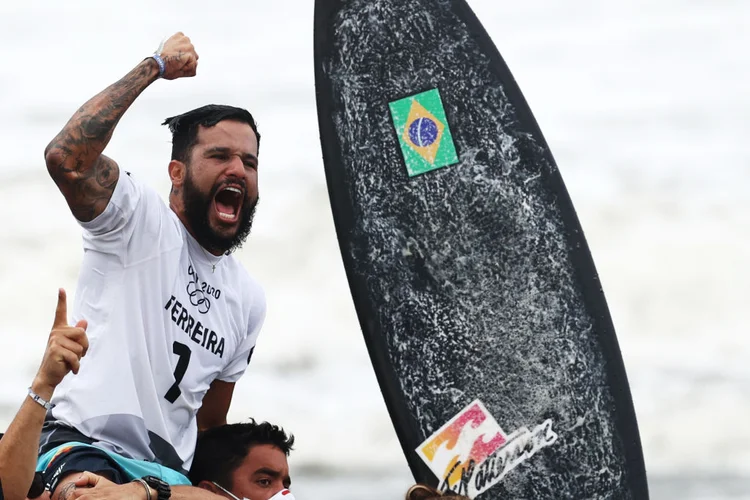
<point>183,352</point>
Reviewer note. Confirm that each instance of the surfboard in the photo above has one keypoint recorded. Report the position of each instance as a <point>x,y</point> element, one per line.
<point>477,295</point>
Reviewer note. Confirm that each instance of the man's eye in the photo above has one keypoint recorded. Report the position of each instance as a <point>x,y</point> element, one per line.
<point>264,482</point>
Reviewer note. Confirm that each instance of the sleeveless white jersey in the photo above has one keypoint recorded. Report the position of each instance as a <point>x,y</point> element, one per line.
<point>162,327</point>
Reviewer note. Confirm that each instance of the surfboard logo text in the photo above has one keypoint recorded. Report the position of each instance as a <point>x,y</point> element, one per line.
<point>423,132</point>
<point>471,453</point>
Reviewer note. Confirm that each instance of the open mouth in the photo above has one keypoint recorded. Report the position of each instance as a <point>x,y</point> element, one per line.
<point>228,202</point>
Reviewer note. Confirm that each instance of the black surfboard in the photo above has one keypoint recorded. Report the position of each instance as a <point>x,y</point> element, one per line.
<point>475,289</point>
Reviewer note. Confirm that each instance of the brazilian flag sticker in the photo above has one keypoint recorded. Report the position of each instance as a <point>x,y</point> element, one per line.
<point>423,131</point>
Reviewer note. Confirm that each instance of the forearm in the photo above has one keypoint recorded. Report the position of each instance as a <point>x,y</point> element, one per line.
<point>193,493</point>
<point>88,132</point>
<point>19,446</point>
<point>74,157</point>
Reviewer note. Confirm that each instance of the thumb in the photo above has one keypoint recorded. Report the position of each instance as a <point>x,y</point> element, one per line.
<point>61,313</point>
<point>87,479</point>
<point>82,324</point>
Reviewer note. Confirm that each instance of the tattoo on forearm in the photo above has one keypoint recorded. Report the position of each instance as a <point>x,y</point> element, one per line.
<point>89,130</point>
<point>74,157</point>
<point>66,491</point>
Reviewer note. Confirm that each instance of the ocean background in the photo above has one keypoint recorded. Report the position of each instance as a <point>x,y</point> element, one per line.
<point>644,104</point>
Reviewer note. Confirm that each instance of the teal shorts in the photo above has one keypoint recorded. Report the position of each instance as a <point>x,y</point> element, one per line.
<point>132,468</point>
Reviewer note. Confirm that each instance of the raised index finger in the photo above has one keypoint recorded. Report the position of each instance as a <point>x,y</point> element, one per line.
<point>61,313</point>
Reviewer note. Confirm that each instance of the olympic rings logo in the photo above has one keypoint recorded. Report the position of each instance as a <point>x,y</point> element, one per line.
<point>200,292</point>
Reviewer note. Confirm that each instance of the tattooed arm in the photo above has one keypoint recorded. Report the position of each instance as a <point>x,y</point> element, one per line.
<point>74,158</point>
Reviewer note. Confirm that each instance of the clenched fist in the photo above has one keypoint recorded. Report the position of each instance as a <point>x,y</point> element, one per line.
<point>179,56</point>
<point>65,348</point>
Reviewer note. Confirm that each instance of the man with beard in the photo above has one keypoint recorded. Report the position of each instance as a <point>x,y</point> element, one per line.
<point>173,316</point>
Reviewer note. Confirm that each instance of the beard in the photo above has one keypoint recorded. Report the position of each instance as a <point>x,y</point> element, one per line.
<point>197,206</point>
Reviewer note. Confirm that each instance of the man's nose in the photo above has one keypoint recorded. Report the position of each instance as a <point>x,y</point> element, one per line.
<point>236,167</point>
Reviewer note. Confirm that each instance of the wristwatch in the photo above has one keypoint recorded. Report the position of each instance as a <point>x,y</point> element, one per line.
<point>163,489</point>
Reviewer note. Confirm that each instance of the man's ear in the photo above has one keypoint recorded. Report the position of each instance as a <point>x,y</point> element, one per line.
<point>177,171</point>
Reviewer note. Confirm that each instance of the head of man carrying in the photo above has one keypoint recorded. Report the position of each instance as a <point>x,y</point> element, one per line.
<point>244,461</point>
<point>421,491</point>
<point>214,174</point>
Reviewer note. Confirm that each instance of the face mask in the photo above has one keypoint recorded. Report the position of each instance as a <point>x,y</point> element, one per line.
<point>284,494</point>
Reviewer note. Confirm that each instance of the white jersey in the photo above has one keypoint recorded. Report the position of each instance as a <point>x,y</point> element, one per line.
<point>163,325</point>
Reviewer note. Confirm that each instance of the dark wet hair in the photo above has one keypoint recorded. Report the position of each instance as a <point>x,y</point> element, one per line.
<point>184,127</point>
<point>220,450</point>
<point>423,492</point>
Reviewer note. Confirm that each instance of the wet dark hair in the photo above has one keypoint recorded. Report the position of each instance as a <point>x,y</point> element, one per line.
<point>421,491</point>
<point>220,450</point>
<point>184,127</point>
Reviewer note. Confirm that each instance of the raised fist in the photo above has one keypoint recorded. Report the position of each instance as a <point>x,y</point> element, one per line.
<point>179,56</point>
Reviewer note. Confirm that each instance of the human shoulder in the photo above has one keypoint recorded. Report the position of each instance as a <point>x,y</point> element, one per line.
<point>135,209</point>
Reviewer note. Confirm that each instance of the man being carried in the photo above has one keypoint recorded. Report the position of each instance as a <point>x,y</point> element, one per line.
<point>173,317</point>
